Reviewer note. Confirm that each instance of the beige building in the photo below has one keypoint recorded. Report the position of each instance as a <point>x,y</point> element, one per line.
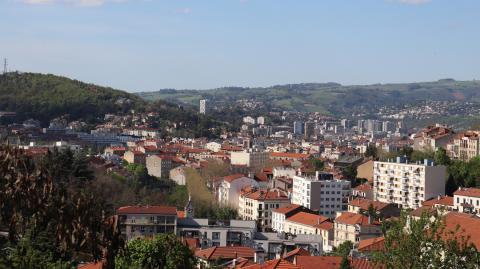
<point>159,166</point>
<point>365,170</point>
<point>465,146</point>
<point>135,157</point>
<point>408,184</point>
<point>253,159</point>
<point>258,205</point>
<point>355,227</point>
<point>432,137</point>
<point>146,221</point>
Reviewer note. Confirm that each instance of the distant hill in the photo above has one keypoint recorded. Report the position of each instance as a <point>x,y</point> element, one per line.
<point>329,98</point>
<point>45,97</point>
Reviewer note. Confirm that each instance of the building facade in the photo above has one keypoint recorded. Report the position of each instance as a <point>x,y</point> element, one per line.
<point>408,184</point>
<point>321,193</point>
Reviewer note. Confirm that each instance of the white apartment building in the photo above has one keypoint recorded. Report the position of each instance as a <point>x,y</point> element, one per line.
<point>408,184</point>
<point>281,171</point>
<point>250,158</point>
<point>258,205</point>
<point>322,193</point>
<point>467,200</point>
<point>213,146</point>
<point>203,106</point>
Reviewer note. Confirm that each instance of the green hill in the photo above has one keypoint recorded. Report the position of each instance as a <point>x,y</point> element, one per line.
<point>45,97</point>
<point>330,98</point>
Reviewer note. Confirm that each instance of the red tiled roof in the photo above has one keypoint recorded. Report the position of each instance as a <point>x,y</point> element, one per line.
<point>353,218</point>
<point>273,264</point>
<point>262,195</point>
<point>286,209</point>
<point>319,262</point>
<point>363,187</point>
<point>365,204</point>
<point>289,155</point>
<point>468,224</point>
<point>166,210</point>
<point>444,200</point>
<point>297,252</point>
<point>214,253</point>
<point>308,219</point>
<point>231,178</point>
<point>361,263</point>
<point>372,244</point>
<point>473,192</point>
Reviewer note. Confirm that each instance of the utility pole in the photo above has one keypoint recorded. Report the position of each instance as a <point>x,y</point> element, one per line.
<point>5,66</point>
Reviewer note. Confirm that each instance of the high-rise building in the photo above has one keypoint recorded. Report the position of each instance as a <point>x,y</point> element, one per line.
<point>408,184</point>
<point>309,130</point>
<point>203,106</point>
<point>322,193</point>
<point>298,127</point>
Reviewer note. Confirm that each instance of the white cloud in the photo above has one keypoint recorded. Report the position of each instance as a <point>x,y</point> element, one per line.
<point>413,2</point>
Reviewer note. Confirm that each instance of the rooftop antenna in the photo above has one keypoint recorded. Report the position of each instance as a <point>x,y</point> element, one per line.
<point>5,65</point>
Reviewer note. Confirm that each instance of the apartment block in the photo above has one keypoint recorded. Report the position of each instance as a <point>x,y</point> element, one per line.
<point>258,205</point>
<point>408,184</point>
<point>146,221</point>
<point>250,158</point>
<point>321,193</point>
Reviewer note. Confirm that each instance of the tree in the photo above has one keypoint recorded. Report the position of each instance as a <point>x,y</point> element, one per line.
<point>371,151</point>
<point>163,251</point>
<point>317,164</point>
<point>441,157</point>
<point>343,249</point>
<point>425,243</point>
<point>345,264</point>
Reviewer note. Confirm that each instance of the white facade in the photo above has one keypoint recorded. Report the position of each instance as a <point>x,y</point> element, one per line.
<point>328,196</point>
<point>213,146</point>
<point>229,190</point>
<point>284,172</point>
<point>261,120</point>
<point>248,120</point>
<point>203,106</point>
<point>407,184</point>
<point>467,200</point>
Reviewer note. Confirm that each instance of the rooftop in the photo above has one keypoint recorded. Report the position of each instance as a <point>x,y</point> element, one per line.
<point>164,210</point>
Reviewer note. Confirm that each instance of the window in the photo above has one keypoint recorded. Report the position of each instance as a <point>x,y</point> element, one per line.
<point>216,236</point>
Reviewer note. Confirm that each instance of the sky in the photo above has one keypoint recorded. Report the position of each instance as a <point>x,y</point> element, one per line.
<point>147,45</point>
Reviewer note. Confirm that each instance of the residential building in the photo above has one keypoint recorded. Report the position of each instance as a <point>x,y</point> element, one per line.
<point>253,159</point>
<point>364,191</point>
<point>261,120</point>
<point>217,232</point>
<point>355,227</point>
<point>309,130</point>
<point>360,205</point>
<point>408,184</point>
<point>203,106</point>
<point>298,127</point>
<point>213,146</point>
<point>230,188</point>
<point>279,215</point>
<point>146,221</point>
<point>209,257</point>
<point>274,244</point>
<point>465,146</point>
<point>322,193</point>
<point>135,157</point>
<point>432,137</point>
<point>365,170</point>
<point>160,166</point>
<point>257,204</point>
<point>467,200</point>
<point>177,174</point>
<point>313,224</point>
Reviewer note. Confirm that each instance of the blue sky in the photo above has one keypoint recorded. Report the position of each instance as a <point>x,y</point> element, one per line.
<point>144,45</point>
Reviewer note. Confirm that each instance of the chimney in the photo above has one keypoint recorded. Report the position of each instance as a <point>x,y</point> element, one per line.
<point>369,220</point>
